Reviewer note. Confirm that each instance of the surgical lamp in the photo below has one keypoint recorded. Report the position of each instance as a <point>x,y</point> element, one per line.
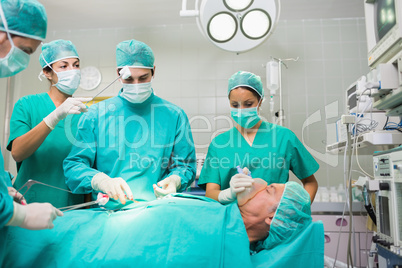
<point>235,25</point>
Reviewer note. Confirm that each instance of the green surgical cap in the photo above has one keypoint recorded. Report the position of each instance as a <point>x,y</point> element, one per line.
<point>26,18</point>
<point>246,79</point>
<point>291,217</point>
<point>57,50</point>
<point>135,54</point>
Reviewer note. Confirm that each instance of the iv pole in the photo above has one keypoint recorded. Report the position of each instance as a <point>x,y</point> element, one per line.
<point>281,113</point>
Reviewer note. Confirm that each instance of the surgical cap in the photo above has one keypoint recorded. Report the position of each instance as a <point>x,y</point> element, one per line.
<point>135,54</point>
<point>246,79</point>
<point>26,18</point>
<point>57,50</point>
<point>291,217</point>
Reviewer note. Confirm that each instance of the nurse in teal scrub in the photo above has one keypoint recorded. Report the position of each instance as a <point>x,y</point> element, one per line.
<point>42,126</point>
<point>266,150</point>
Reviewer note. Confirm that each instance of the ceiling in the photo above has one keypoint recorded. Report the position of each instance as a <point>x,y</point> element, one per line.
<point>91,14</point>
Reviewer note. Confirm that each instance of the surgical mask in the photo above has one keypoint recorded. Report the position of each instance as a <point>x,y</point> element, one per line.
<point>137,93</point>
<point>16,60</point>
<point>247,117</point>
<point>68,81</point>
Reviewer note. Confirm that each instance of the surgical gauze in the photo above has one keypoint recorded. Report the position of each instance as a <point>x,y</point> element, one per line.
<point>257,186</point>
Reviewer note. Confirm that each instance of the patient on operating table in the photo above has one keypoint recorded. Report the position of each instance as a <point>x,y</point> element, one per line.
<point>274,214</point>
<point>160,232</point>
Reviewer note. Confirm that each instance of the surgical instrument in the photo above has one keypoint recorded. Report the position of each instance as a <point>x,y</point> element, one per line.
<point>101,201</point>
<point>29,184</point>
<point>124,73</point>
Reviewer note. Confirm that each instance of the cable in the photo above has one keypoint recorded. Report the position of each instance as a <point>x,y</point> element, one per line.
<point>355,139</point>
<point>386,122</point>
<point>358,163</point>
<point>349,153</point>
<point>349,176</point>
<point>346,201</point>
<point>339,234</point>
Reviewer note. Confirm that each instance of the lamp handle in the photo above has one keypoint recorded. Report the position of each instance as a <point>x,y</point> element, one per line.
<point>188,13</point>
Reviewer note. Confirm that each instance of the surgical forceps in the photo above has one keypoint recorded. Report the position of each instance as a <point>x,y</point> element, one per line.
<point>64,209</point>
<point>124,73</point>
<point>29,184</point>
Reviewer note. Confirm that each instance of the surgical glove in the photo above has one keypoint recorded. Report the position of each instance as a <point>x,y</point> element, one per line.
<point>238,183</point>
<point>169,186</point>
<point>69,106</point>
<point>17,196</point>
<point>35,216</point>
<point>113,187</point>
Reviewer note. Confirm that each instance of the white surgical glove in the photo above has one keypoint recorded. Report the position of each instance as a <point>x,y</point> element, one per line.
<point>69,106</point>
<point>17,196</point>
<point>238,183</point>
<point>169,185</point>
<point>35,216</point>
<point>113,187</point>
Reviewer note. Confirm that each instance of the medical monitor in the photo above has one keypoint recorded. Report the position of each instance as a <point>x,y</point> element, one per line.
<point>384,29</point>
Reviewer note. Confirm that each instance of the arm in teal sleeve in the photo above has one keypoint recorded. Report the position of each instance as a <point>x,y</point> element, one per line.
<point>78,166</point>
<point>210,169</point>
<point>302,163</point>
<point>20,122</point>
<point>183,162</point>
<point>6,201</point>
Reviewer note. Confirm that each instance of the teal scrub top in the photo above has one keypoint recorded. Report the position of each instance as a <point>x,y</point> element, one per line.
<point>6,207</point>
<point>6,201</point>
<point>141,143</point>
<point>275,151</point>
<point>46,163</point>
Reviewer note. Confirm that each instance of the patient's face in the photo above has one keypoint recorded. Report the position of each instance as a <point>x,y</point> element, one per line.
<point>266,200</point>
<point>258,212</point>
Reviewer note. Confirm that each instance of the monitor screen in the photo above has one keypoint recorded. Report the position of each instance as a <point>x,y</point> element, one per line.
<point>385,16</point>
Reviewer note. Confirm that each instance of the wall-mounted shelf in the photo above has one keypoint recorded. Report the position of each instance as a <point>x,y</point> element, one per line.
<point>369,142</point>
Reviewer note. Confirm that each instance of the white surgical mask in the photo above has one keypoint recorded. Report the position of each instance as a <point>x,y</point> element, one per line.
<point>68,81</point>
<point>137,93</point>
<point>16,60</point>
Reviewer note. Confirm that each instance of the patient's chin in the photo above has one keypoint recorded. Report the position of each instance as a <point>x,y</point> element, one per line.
<point>249,193</point>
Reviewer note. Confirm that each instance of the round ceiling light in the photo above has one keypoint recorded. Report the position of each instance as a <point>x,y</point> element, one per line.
<point>222,27</point>
<point>236,25</point>
<point>238,5</point>
<point>256,24</point>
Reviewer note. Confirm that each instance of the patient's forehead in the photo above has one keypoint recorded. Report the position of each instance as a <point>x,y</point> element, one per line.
<point>264,200</point>
<point>271,194</point>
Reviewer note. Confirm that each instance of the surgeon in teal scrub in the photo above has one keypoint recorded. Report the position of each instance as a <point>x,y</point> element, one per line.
<point>266,150</point>
<point>23,26</point>
<point>43,125</point>
<point>135,145</point>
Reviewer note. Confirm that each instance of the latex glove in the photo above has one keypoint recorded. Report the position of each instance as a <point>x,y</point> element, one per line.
<point>17,196</point>
<point>246,171</point>
<point>169,185</point>
<point>238,183</point>
<point>69,106</point>
<point>113,187</point>
<point>35,216</point>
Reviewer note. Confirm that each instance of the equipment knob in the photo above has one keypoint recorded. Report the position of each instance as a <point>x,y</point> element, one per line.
<point>375,238</point>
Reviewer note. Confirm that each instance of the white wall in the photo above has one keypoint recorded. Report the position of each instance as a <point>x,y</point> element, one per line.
<point>192,73</point>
